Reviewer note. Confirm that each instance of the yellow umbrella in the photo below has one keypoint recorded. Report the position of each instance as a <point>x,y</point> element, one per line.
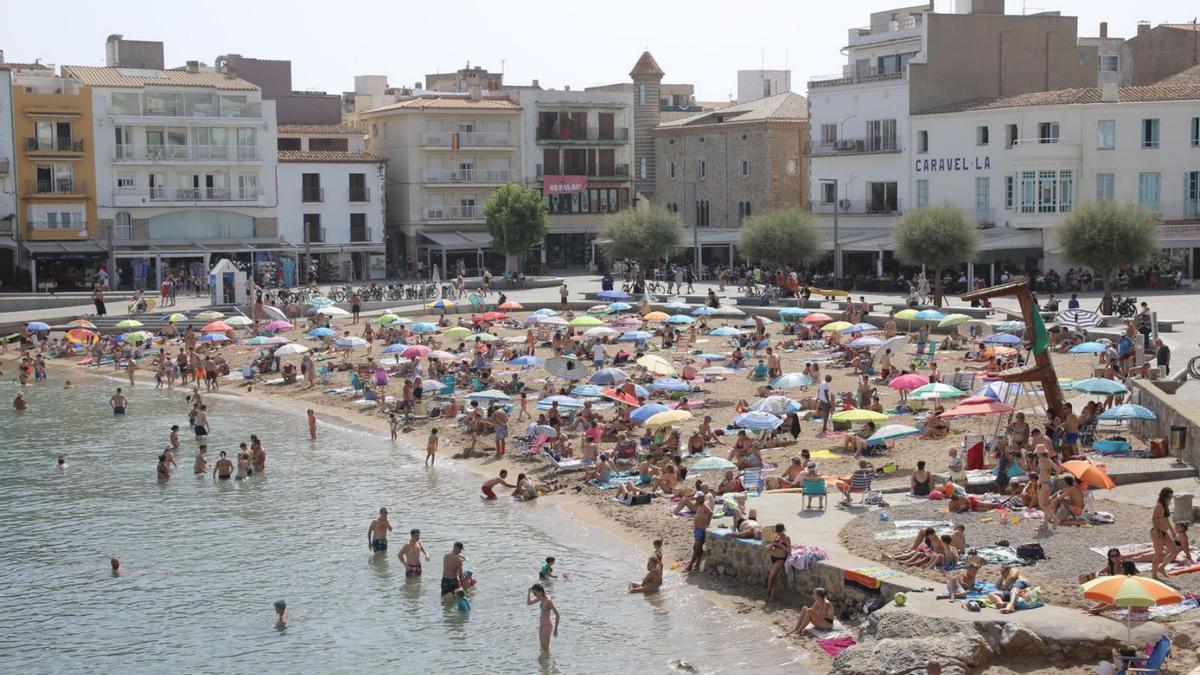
<point>952,320</point>
<point>858,415</point>
<point>656,316</point>
<point>656,364</point>
<point>210,315</point>
<point>457,332</point>
<point>836,325</point>
<point>668,418</point>
<point>176,318</point>
<point>128,323</point>
<point>907,314</point>
<point>81,323</point>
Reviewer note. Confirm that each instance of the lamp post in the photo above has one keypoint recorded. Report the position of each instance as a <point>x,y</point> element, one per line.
<point>837,253</point>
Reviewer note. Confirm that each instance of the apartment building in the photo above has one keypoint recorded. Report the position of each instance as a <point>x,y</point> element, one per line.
<point>274,79</point>
<point>8,181</point>
<point>331,193</point>
<point>761,83</point>
<point>446,153</point>
<point>577,147</point>
<point>185,165</point>
<point>718,168</point>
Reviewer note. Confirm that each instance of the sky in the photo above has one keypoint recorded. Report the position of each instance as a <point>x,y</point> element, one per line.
<point>703,42</point>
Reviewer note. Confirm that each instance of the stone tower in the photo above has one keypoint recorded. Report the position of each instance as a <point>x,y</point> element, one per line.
<point>647,80</point>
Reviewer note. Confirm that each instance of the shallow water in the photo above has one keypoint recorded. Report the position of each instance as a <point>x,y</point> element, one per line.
<point>205,560</point>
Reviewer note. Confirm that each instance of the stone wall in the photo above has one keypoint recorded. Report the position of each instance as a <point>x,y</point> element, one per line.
<point>1171,410</point>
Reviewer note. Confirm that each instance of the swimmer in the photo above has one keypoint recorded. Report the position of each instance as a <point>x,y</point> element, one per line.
<point>62,461</point>
<point>547,571</point>
<point>280,613</point>
<point>452,569</point>
<point>223,469</point>
<point>164,467</point>
<point>537,595</point>
<point>201,425</point>
<point>201,466</point>
<point>377,532</point>
<point>173,438</point>
<point>489,486</point>
<point>19,403</point>
<point>118,402</point>
<point>312,424</point>
<point>653,579</point>
<point>116,566</point>
<point>411,554</point>
<point>461,602</point>
<point>431,447</point>
<point>68,385</point>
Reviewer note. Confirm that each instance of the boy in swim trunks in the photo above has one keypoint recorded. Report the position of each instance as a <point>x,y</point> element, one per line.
<point>431,447</point>
<point>489,487</point>
<point>452,569</point>
<point>118,402</point>
<point>377,532</point>
<point>411,554</point>
<point>700,523</point>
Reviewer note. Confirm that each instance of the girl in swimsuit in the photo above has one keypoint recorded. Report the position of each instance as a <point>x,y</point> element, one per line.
<point>537,594</point>
<point>819,614</point>
<point>779,550</point>
<point>1162,534</point>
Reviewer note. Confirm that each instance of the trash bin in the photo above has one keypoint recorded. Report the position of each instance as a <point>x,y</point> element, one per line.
<point>1178,438</point>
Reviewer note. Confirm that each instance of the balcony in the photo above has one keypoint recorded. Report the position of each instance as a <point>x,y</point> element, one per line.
<point>360,194</point>
<point>617,172</point>
<point>312,194</point>
<point>314,234</point>
<point>853,76</point>
<point>901,29</point>
<point>1045,148</point>
<point>860,207</point>
<point>123,198</point>
<point>454,213</point>
<point>359,235</point>
<point>445,176</point>
<point>568,135</point>
<point>855,146</point>
<point>186,153</point>
<point>194,110</point>
<point>53,145</point>
<point>58,186</point>
<point>467,139</point>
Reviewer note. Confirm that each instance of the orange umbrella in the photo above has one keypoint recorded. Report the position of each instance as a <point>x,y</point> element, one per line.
<point>817,318</point>
<point>1089,474</point>
<point>511,304</point>
<point>620,397</point>
<point>998,350</point>
<point>80,335</point>
<point>967,409</point>
<point>656,316</point>
<point>216,327</point>
<point>1130,591</point>
<point>81,323</point>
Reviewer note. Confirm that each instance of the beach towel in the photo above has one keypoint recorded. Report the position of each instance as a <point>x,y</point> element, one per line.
<point>982,589</point>
<point>908,533</point>
<point>801,558</point>
<point>836,645</point>
<point>615,480</point>
<point>824,454</point>
<point>921,523</point>
<point>997,555</point>
<point>1151,613</point>
<point>867,578</point>
<point>727,533</point>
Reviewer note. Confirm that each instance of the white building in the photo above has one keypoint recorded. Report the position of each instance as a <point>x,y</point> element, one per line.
<point>8,180</point>
<point>185,168</point>
<point>759,83</point>
<point>331,201</point>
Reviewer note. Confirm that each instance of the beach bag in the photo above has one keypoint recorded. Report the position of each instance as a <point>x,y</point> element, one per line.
<point>1031,552</point>
<point>1158,447</point>
<point>873,498</point>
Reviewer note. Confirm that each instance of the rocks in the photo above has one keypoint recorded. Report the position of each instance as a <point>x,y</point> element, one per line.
<point>1017,640</point>
<point>956,653</point>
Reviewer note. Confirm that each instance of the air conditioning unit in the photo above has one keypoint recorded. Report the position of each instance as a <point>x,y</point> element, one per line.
<point>844,204</point>
<point>845,144</point>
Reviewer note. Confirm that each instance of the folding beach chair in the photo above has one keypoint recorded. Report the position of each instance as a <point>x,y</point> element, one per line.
<point>752,480</point>
<point>448,383</point>
<point>815,489</point>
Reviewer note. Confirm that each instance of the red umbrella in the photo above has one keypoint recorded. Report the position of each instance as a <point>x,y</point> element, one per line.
<point>492,316</point>
<point>511,304</point>
<point>977,400</point>
<point>991,408</point>
<point>908,382</point>
<point>620,397</point>
<point>817,318</point>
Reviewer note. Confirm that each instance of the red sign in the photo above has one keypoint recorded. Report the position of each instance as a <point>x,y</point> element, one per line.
<point>563,185</point>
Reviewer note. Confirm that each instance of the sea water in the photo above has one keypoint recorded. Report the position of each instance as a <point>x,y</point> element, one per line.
<point>205,560</point>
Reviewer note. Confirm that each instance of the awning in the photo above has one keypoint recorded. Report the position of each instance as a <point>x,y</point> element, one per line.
<point>53,247</point>
<point>1000,240</point>
<point>720,237</point>
<point>458,241</point>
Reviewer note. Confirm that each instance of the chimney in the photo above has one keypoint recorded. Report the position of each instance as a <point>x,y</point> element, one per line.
<point>474,92</point>
<point>193,66</point>
<point>230,72</point>
<point>1110,92</point>
<point>566,87</point>
<point>1143,28</point>
<point>535,82</point>
<point>1103,29</point>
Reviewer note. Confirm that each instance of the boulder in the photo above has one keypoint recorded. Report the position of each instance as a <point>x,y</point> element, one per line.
<point>904,624</point>
<point>1017,640</point>
<point>957,653</point>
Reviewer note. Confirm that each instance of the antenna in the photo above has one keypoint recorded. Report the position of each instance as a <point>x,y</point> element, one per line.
<point>502,66</point>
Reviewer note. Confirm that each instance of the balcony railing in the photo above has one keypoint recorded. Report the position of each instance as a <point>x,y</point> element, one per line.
<point>57,186</point>
<point>985,216</point>
<point>467,139</point>
<point>206,194</point>
<point>311,194</point>
<point>314,234</point>
<point>181,153</point>
<point>880,207</point>
<point>570,134</point>
<point>453,213</point>
<point>54,145</point>
<point>618,172</point>
<point>854,146</point>
<point>233,110</point>
<point>851,76</point>
<point>360,194</point>
<point>467,176</point>
<point>360,234</point>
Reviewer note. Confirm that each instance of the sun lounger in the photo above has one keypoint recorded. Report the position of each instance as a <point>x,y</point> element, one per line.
<point>567,465</point>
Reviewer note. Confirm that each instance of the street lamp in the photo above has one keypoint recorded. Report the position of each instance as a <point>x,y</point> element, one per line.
<point>837,253</point>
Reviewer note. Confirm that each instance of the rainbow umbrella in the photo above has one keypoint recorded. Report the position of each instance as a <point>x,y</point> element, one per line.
<point>80,335</point>
<point>81,323</point>
<point>176,318</point>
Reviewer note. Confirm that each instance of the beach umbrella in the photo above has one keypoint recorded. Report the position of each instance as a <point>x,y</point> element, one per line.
<point>858,328</point>
<point>80,335</point>
<point>37,326</point>
<point>681,319</point>
<point>491,317</point>
<point>613,295</point>
<point>598,309</point>
<point>443,355</point>
<point>748,322</point>
<point>953,320</point>
<point>442,304</point>
<point>1088,348</point>
<point>546,311</point>
<point>137,336</point>
<point>997,350</point>
<point>259,340</point>
<point>676,306</point>
<point>891,432</point>
<point>906,314</point>
<point>565,368</point>
<point>1130,591</point>
<point>817,318</point>
<point>788,313</point>
<point>480,337</point>
<point>274,312</point>
<point>457,332</point>
<point>553,321</point>
<point>387,318</point>
<point>527,362</point>
<point>562,401</point>
<point>545,430</point>
<point>645,412</point>
<point>431,386</point>
<point>670,384</point>
<point>1000,391</point>
<point>608,376</point>
<point>240,321</point>
<point>655,316</point>
<point>791,381</point>
<point>776,404</point>
<point>728,310</point>
<point>216,327</point>
<point>210,315</point>
<point>858,415</point>
<point>758,421</point>
<point>704,310</point>
<point>930,315</point>
<point>937,390</point>
<point>592,390</point>
<point>627,322</point>
<point>415,351</point>
<point>620,307</point>
<point>636,336</point>
<point>350,342</point>
<point>176,318</point>
<point>1077,318</point>
<point>620,397</point>
<point>896,344</point>
<point>726,331</point>
<point>585,322</point>
<point>908,382</point>
<point>319,301</point>
<point>488,395</point>
<point>836,325</point>
<point>82,323</point>
<point>395,348</point>
<point>668,418</point>
<point>712,371</point>
<point>600,332</point>
<point>279,325</point>
<point>713,464</point>
<point>713,357</point>
<point>423,328</point>
<point>1099,385</point>
<point>401,320</point>
<point>865,342</point>
<point>510,305</point>
<point>321,332</point>
<point>213,337</point>
<point>128,323</point>
<point>656,364</point>
<point>1002,339</point>
<point>1010,326</point>
<point>1089,474</point>
<point>968,408</point>
<point>290,349</point>
<point>331,310</point>
<point>1128,411</point>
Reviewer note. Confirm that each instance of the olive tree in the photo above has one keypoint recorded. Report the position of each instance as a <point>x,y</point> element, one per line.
<point>1104,235</point>
<point>516,218</point>
<point>781,237</point>
<point>643,235</point>
<point>936,237</point>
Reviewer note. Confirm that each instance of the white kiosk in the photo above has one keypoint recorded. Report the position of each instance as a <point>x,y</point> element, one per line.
<point>226,284</point>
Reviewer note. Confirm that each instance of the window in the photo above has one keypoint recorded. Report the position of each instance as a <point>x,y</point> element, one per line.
<point>310,188</point>
<point>247,184</point>
<point>702,213</point>
<point>828,192</point>
<point>745,168</point>
<point>1047,191</point>
<point>1196,132</point>
<point>1047,132</point>
<point>123,226</point>
<point>673,207</point>
<point>125,181</point>
<point>594,200</point>
<point>642,167</point>
<point>1028,191</point>
<point>1110,63</point>
<point>1010,135</point>
<point>829,134</point>
<point>1106,134</point>
<point>702,170</point>
<point>1191,194</point>
<point>922,142</point>
<point>1150,133</point>
<point>641,94</point>
<point>922,192</point>
<point>1150,190</point>
<point>358,187</point>
<point>125,103</point>
<point>671,169</point>
<point>1066,190</point>
<point>743,212</point>
<point>882,197</point>
<point>983,193</point>
<point>1009,192</point>
<point>881,135</point>
<point>1105,187</point>
<point>981,135</point>
<point>358,227</point>
<point>313,232</point>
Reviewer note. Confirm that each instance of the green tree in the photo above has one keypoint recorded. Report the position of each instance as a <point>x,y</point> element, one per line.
<point>643,235</point>
<point>516,218</point>
<point>1105,235</point>
<point>781,237</point>
<point>936,237</point>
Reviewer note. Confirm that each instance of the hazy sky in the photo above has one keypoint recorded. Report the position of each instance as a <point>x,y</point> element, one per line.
<point>560,43</point>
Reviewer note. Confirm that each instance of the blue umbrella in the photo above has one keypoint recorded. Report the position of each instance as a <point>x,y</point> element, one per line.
<point>635,336</point>
<point>640,391</point>
<point>1000,390</point>
<point>620,307</point>
<point>1099,385</point>
<point>527,361</point>
<point>758,421</point>
<point>681,319</point>
<point>37,326</point>
<point>396,347</point>
<point>858,328</point>
<point>321,332</point>
<point>213,337</point>
<point>546,311</point>
<point>586,390</point>
<point>423,327</point>
<point>1088,348</point>
<point>930,315</point>
<point>645,412</point>
<point>791,381</point>
<point>319,301</point>
<point>1010,326</point>
<point>562,401</point>
<point>1128,411</point>
<point>725,331</point>
<point>670,384</point>
<point>677,306</point>
<point>608,376</point>
<point>1002,339</point>
<point>703,310</point>
<point>793,313</point>
<point>613,295</point>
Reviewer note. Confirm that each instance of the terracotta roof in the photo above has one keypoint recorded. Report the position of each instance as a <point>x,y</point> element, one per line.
<point>297,129</point>
<point>93,76</point>
<point>646,65</point>
<point>715,105</point>
<point>336,156</point>
<point>788,106</point>
<point>449,103</point>
<point>1161,91</point>
<point>1189,77</point>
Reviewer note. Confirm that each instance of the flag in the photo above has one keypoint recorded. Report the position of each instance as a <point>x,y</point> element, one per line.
<point>1041,339</point>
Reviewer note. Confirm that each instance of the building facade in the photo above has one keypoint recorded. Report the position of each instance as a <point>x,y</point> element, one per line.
<point>8,182</point>
<point>717,169</point>
<point>761,83</point>
<point>331,194</point>
<point>274,79</point>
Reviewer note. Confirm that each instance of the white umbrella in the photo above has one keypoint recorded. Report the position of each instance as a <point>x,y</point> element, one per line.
<point>895,344</point>
<point>274,312</point>
<point>728,310</point>
<point>288,350</point>
<point>331,310</point>
<point>238,321</point>
<point>600,332</point>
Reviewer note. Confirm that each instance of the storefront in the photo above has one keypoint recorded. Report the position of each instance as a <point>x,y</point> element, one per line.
<point>64,266</point>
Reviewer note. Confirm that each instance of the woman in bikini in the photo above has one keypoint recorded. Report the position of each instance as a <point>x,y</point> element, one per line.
<point>1112,567</point>
<point>920,551</point>
<point>779,550</point>
<point>537,594</point>
<point>1162,534</point>
<point>819,614</point>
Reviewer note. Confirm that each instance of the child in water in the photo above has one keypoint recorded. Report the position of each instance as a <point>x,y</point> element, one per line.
<point>280,613</point>
<point>460,601</point>
<point>547,571</point>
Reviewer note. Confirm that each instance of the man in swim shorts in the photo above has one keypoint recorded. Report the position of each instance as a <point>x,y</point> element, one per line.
<point>223,469</point>
<point>377,532</point>
<point>700,523</point>
<point>411,554</point>
<point>118,402</point>
<point>452,569</point>
<point>489,487</point>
